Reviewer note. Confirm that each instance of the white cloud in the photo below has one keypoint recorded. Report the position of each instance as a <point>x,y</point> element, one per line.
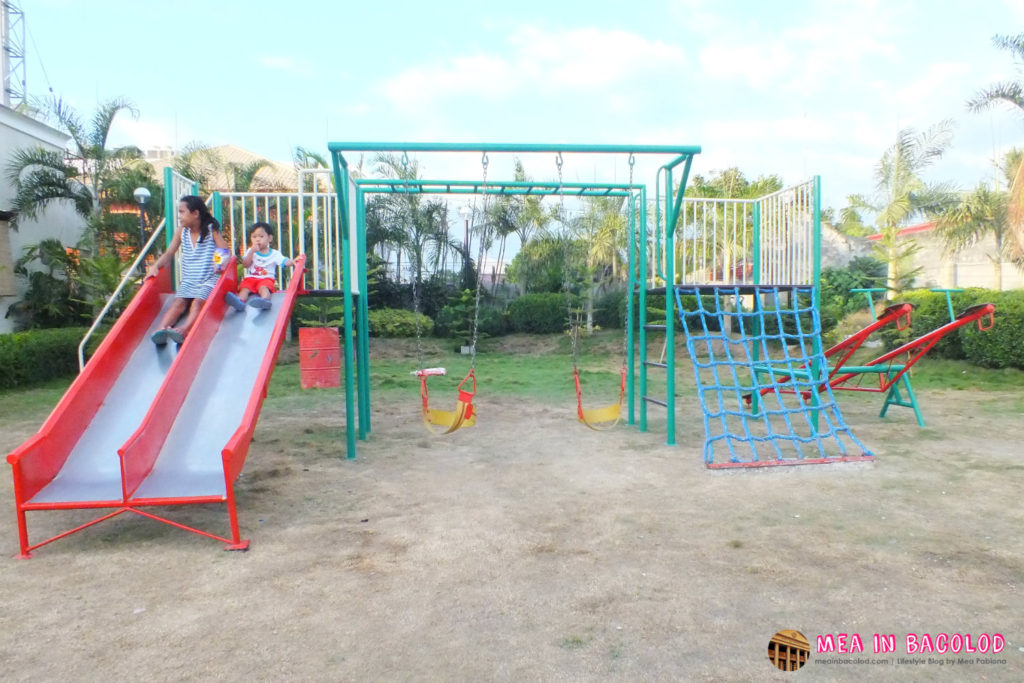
<point>584,59</point>
<point>936,83</point>
<point>760,65</point>
<point>479,75</point>
<point>144,133</point>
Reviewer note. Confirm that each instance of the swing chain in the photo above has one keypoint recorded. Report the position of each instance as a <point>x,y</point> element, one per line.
<point>630,225</point>
<point>566,285</point>
<point>415,286</point>
<point>484,161</point>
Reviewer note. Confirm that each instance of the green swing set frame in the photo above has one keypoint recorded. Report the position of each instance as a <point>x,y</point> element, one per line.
<point>351,208</point>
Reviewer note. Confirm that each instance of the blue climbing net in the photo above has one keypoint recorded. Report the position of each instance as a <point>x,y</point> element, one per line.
<point>763,388</point>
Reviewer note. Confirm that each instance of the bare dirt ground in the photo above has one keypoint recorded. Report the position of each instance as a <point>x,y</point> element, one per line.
<point>531,549</point>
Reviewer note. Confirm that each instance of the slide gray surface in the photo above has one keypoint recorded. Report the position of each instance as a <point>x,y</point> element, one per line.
<point>93,470</point>
<point>190,465</point>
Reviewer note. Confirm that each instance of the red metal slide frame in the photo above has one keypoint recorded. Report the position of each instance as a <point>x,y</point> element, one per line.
<point>35,466</point>
<point>36,462</point>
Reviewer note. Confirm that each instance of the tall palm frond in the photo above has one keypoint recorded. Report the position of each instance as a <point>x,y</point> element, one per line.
<point>198,162</point>
<point>1009,92</point>
<point>40,176</point>
<point>243,176</point>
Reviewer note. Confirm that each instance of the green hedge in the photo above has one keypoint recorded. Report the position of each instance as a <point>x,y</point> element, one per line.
<point>450,320</point>
<point>36,356</point>
<point>398,322</point>
<point>539,313</point>
<point>1003,345</point>
<point>1000,347</point>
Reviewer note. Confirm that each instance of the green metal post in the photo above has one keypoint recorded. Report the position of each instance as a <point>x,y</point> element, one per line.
<point>755,400</point>
<point>362,327</point>
<point>659,268</point>
<point>868,291</point>
<point>949,299</point>
<point>170,213</point>
<point>341,189</point>
<point>628,322</point>
<point>816,369</point>
<point>670,336</point>
<point>218,210</point>
<point>642,302</point>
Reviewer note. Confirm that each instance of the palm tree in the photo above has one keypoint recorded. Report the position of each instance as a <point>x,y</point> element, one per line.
<point>1011,93</point>
<point>198,162</point>
<point>243,176</point>
<point>40,176</point>
<point>902,197</point>
<point>980,213</point>
<point>503,219</point>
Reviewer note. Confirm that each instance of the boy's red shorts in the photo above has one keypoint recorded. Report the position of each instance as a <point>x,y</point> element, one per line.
<point>253,284</point>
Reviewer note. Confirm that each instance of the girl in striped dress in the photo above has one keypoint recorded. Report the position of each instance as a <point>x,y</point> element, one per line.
<point>199,236</point>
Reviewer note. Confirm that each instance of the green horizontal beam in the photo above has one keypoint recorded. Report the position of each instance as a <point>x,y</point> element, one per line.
<point>334,147</point>
<point>504,183</point>
<point>393,186</point>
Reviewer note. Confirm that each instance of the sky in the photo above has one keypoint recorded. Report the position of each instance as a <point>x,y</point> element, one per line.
<point>796,88</point>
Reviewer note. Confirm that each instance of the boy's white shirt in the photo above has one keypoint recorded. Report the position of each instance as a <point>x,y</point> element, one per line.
<point>265,265</point>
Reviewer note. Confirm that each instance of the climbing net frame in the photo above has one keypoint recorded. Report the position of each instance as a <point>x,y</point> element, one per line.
<point>776,358</point>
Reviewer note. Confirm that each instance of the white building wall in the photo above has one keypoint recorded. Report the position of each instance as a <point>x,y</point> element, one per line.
<point>970,267</point>
<point>59,220</point>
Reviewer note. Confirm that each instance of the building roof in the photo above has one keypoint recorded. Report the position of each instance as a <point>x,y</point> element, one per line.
<point>910,230</point>
<point>276,176</point>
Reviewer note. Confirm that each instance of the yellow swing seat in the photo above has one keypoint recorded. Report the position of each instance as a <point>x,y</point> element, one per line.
<point>447,421</point>
<point>604,418</point>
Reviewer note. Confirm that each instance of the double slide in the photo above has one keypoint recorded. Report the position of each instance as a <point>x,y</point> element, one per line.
<point>145,426</point>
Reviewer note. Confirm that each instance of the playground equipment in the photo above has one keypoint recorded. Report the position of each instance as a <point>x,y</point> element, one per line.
<point>892,378</point>
<point>351,212</point>
<point>729,368</point>
<point>464,414</point>
<point>146,426</point>
<point>749,271</point>
<point>605,417</point>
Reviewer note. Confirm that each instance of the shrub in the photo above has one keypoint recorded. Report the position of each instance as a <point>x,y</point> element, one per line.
<point>539,313</point>
<point>610,309</point>
<point>397,322</point>
<point>35,356</point>
<point>931,312</point>
<point>1000,347</point>
<point>455,321</point>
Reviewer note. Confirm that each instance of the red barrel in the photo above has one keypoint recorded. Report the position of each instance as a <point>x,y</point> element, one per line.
<point>319,357</point>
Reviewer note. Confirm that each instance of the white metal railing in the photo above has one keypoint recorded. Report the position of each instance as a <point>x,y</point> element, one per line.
<point>787,235</point>
<point>714,241</point>
<point>716,244</point>
<point>304,222</point>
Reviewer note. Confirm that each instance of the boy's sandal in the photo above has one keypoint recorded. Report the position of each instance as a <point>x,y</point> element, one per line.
<point>234,302</point>
<point>259,302</point>
<point>175,336</point>
<point>159,337</point>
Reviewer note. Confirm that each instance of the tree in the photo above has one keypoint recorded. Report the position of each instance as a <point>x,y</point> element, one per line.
<point>1011,93</point>
<point>732,184</point>
<point>40,176</point>
<point>719,246</point>
<point>850,222</point>
<point>243,176</point>
<point>540,266</point>
<point>413,226</point>
<point>198,162</point>
<point>984,211</point>
<point>902,197</point>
